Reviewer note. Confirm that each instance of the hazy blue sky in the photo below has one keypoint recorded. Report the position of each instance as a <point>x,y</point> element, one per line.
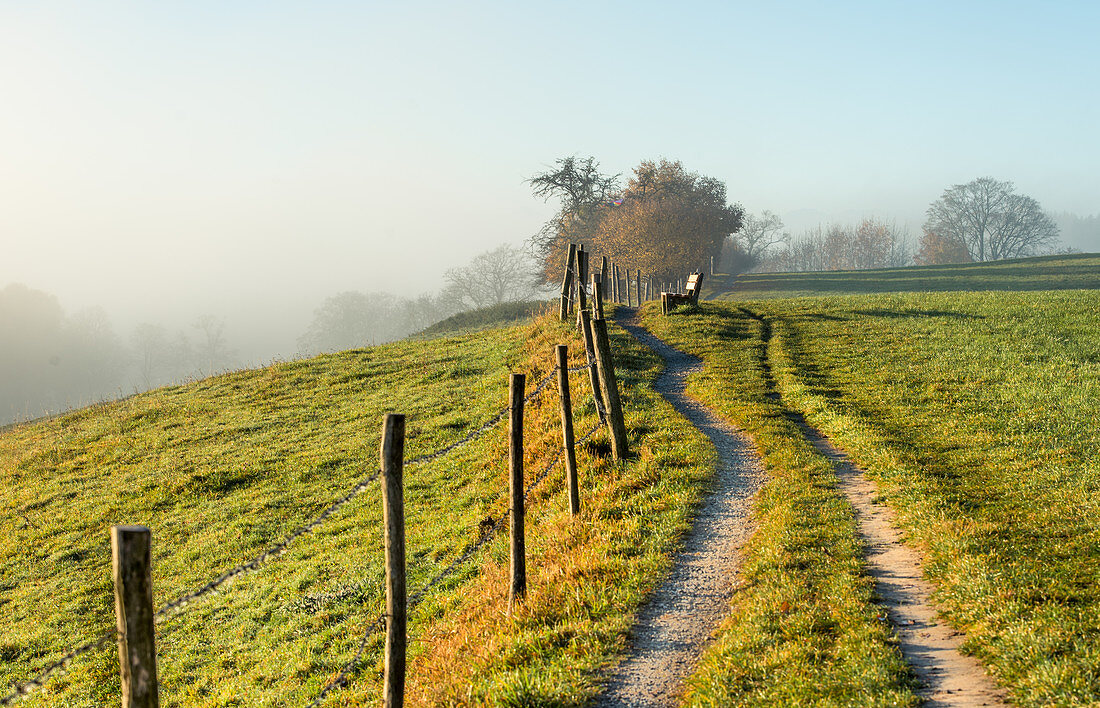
<point>160,158</point>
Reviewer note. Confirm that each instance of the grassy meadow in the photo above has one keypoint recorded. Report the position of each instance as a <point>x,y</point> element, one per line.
<point>974,408</point>
<point>1079,271</point>
<point>221,468</point>
<point>976,413</point>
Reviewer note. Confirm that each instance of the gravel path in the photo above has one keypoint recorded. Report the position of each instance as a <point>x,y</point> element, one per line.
<point>678,620</point>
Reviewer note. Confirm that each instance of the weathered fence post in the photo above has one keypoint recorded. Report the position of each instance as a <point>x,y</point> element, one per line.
<point>629,300</point>
<point>590,355</point>
<point>712,266</point>
<point>562,352</point>
<point>131,566</point>
<point>567,283</point>
<point>638,280</point>
<point>393,521</point>
<point>597,298</point>
<point>610,388</point>
<point>515,481</point>
<point>582,282</point>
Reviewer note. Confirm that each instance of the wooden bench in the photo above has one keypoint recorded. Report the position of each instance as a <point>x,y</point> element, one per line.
<point>690,296</point>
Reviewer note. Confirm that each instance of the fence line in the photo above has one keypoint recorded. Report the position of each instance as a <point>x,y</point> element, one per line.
<point>349,669</point>
<point>26,687</point>
<point>107,636</point>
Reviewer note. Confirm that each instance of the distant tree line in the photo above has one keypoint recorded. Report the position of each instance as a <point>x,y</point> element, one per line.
<point>51,361</point>
<point>356,319</point>
<point>982,220</point>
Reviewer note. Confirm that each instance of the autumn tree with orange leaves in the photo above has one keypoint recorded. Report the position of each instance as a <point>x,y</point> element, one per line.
<point>667,221</point>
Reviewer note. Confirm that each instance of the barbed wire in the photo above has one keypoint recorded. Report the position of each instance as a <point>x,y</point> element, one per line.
<point>24,689</point>
<point>348,669</point>
<point>415,599</point>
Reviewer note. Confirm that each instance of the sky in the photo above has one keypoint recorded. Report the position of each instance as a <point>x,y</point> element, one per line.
<point>248,159</point>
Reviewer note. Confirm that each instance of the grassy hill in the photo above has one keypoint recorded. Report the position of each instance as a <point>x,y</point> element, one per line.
<point>222,468</point>
<point>976,411</point>
<point>484,317</point>
<point>1041,273</point>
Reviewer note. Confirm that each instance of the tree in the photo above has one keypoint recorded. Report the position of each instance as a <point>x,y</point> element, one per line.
<point>938,250</point>
<point>872,243</point>
<point>584,193</point>
<point>503,274</point>
<point>758,234</point>
<point>668,221</point>
<point>991,220</point>
<point>213,350</point>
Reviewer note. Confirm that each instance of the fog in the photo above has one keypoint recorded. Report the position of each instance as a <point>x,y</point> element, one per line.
<point>246,164</point>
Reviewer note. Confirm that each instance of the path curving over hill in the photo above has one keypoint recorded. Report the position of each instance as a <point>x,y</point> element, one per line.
<point>677,622</point>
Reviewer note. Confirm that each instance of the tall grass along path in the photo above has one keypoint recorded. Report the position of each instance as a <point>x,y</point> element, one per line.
<point>676,623</point>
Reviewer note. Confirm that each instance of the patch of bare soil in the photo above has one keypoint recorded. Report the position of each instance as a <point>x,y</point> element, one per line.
<point>678,621</point>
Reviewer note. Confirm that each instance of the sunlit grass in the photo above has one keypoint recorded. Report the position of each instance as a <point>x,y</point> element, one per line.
<point>803,628</point>
<point>978,413</point>
<point>222,467</point>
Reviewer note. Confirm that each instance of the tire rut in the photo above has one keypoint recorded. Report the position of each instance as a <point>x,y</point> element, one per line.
<point>679,619</point>
<point>930,646</point>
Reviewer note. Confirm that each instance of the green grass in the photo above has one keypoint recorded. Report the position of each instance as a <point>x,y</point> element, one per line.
<point>976,413</point>
<point>222,467</point>
<point>505,313</point>
<point>803,628</point>
<point>1041,273</point>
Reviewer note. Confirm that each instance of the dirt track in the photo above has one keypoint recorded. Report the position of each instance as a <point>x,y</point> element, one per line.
<point>677,622</point>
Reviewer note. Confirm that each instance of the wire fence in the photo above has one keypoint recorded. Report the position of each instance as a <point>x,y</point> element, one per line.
<point>109,636</point>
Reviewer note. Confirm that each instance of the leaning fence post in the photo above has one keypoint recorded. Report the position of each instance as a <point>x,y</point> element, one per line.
<point>582,281</point>
<point>393,520</point>
<point>597,298</point>
<point>590,356</point>
<point>626,281</point>
<point>567,283</point>
<point>515,481</point>
<point>131,567</point>
<point>610,388</point>
<point>562,352</point>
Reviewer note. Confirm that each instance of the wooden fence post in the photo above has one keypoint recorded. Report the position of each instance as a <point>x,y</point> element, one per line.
<point>597,298</point>
<point>562,352</point>
<point>582,281</point>
<point>629,300</point>
<point>567,283</point>
<point>515,480</point>
<point>590,355</point>
<point>610,388</point>
<point>393,521</point>
<point>131,567</point>
<point>639,284</point>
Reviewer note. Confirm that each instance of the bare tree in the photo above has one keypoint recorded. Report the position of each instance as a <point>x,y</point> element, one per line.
<point>991,220</point>
<point>212,347</point>
<point>503,274</point>
<point>758,234</point>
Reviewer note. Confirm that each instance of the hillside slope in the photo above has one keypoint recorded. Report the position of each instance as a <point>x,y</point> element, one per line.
<point>223,468</point>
